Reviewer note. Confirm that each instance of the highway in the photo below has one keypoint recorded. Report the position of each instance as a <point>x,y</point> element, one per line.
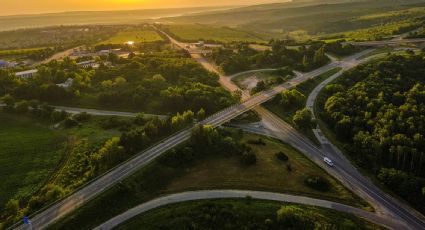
<point>241,194</point>
<point>349,176</point>
<point>343,170</point>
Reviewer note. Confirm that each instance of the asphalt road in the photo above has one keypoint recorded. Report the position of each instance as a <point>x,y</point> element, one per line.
<point>359,184</point>
<point>97,112</point>
<point>241,194</point>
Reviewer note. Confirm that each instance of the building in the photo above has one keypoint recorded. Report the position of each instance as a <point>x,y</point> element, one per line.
<point>67,84</point>
<point>87,64</point>
<point>26,74</point>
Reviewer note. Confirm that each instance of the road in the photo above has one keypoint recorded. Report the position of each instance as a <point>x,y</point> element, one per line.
<point>357,183</point>
<point>344,171</point>
<point>241,194</point>
<point>393,42</point>
<point>97,112</point>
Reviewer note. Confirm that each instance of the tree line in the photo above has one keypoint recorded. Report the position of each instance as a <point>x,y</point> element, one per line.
<point>379,110</point>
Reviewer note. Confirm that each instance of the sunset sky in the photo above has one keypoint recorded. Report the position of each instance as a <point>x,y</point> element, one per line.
<point>8,7</point>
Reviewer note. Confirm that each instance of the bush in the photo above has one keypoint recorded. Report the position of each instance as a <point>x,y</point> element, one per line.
<point>259,141</point>
<point>282,156</point>
<point>318,183</point>
<point>69,123</point>
<point>58,115</point>
<point>82,117</point>
<point>248,158</point>
<point>112,123</point>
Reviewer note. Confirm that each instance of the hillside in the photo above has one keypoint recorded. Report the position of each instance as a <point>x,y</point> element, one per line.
<point>314,17</point>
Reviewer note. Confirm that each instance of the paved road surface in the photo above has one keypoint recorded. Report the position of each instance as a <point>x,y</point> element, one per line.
<point>240,194</point>
<point>97,112</point>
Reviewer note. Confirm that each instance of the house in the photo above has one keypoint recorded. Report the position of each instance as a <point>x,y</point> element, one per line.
<point>26,74</point>
<point>67,84</point>
<point>87,64</point>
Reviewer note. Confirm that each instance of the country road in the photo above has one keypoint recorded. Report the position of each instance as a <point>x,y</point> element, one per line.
<point>240,194</point>
<point>345,173</point>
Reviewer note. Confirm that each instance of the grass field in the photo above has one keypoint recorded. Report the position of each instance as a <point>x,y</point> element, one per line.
<point>194,33</point>
<point>211,172</point>
<point>29,152</point>
<point>305,88</point>
<point>136,36</point>
<point>253,210</point>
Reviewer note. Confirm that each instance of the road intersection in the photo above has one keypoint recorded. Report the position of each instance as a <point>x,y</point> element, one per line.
<point>386,206</point>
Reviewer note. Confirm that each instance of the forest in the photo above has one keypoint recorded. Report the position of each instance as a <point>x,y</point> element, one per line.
<point>377,110</point>
<point>241,57</point>
<point>165,81</point>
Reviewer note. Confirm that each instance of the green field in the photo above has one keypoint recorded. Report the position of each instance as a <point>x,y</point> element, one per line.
<point>19,51</point>
<point>30,151</point>
<point>194,33</point>
<point>211,173</point>
<point>136,36</point>
<point>247,212</point>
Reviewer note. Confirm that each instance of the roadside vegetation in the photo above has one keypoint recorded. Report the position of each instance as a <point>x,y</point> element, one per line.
<point>289,102</point>
<point>242,57</point>
<point>212,159</point>
<point>376,112</point>
<point>252,214</point>
<point>70,151</point>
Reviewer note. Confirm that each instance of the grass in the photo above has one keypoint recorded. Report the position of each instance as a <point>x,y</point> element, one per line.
<point>19,51</point>
<point>30,151</point>
<point>257,210</point>
<point>209,173</point>
<point>137,36</point>
<point>305,88</point>
<point>194,33</point>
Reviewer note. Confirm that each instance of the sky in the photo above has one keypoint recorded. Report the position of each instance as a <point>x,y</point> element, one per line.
<point>10,7</point>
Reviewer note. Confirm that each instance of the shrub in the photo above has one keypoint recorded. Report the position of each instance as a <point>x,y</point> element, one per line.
<point>248,158</point>
<point>69,123</point>
<point>317,182</point>
<point>259,141</point>
<point>282,156</point>
<point>81,117</point>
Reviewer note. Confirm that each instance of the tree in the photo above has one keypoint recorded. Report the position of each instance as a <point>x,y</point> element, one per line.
<point>200,115</point>
<point>22,107</point>
<point>303,119</point>
<point>8,100</point>
<point>291,98</point>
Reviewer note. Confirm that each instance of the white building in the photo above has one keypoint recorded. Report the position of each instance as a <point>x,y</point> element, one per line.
<point>87,64</point>
<point>67,84</point>
<point>26,74</point>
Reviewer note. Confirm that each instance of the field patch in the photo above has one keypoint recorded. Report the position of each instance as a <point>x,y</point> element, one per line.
<point>29,153</point>
<point>193,33</point>
<point>136,36</point>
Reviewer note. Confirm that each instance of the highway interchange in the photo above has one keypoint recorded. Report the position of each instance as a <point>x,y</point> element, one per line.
<point>385,206</point>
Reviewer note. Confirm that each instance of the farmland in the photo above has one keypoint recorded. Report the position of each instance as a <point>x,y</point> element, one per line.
<point>136,36</point>
<point>29,153</point>
<point>193,33</point>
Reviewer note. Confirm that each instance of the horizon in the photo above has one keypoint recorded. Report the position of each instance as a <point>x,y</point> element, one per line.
<point>40,7</point>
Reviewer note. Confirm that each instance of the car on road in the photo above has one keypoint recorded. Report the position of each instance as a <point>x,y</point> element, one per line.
<point>328,161</point>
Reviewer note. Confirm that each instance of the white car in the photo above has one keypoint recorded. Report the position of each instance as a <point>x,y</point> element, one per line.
<point>328,161</point>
